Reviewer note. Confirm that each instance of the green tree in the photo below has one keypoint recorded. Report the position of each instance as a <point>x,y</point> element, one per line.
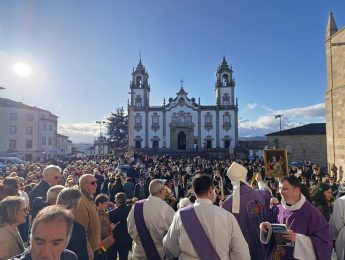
<point>117,124</point>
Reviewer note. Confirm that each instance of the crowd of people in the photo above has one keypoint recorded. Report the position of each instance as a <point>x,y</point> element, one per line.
<point>157,207</point>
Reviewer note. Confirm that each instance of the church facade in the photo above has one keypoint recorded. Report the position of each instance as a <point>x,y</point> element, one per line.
<point>181,123</point>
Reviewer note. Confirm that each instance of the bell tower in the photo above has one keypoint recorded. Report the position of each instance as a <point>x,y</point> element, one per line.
<point>140,88</point>
<point>225,85</point>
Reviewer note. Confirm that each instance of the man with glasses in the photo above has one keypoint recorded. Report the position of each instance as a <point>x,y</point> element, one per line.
<point>87,214</point>
<point>38,195</point>
<point>51,175</point>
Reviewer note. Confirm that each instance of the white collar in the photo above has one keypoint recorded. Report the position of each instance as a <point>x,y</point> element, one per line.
<point>297,205</point>
<point>203,201</point>
<point>152,197</point>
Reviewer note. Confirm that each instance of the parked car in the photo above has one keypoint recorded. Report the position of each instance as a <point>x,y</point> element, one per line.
<point>10,161</point>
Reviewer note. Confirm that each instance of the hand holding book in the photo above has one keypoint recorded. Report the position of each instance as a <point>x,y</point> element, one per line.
<point>289,235</point>
<point>282,235</point>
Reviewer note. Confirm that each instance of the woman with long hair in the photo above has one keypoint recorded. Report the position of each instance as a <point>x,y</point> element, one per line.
<point>13,212</point>
<point>322,199</point>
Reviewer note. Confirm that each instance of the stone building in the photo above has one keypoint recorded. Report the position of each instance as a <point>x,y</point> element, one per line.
<point>307,142</point>
<point>27,132</point>
<point>335,94</point>
<point>182,123</point>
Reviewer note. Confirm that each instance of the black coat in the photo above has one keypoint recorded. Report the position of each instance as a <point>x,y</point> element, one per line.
<point>77,242</point>
<point>122,238</point>
<point>40,190</point>
<point>137,189</point>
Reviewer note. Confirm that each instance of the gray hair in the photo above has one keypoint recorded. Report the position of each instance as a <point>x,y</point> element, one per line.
<point>155,187</point>
<point>69,198</point>
<point>50,169</point>
<point>121,198</point>
<point>184,202</point>
<point>50,214</point>
<point>53,192</point>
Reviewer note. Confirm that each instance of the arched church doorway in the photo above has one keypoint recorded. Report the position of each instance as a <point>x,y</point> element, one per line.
<point>181,141</point>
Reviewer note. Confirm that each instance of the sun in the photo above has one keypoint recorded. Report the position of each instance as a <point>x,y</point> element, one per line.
<point>22,69</point>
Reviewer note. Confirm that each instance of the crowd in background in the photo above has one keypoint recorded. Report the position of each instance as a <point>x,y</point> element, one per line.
<point>117,182</point>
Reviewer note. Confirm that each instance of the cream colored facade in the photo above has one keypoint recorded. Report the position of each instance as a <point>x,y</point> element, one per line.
<point>26,132</point>
<point>335,95</point>
<point>182,123</point>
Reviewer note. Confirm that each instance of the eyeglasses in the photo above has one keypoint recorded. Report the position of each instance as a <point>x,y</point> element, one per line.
<point>26,209</point>
<point>56,177</point>
<point>92,182</point>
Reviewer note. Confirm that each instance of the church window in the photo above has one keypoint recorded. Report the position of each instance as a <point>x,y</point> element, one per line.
<point>139,81</point>
<point>155,142</point>
<point>208,121</point>
<point>225,80</point>
<point>155,122</point>
<point>138,102</point>
<point>226,99</point>
<point>138,141</point>
<point>138,122</point>
<point>227,121</point>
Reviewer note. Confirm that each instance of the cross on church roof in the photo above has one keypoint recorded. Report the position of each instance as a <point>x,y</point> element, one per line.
<point>181,83</point>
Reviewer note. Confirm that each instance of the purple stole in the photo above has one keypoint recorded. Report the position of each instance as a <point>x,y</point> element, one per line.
<point>197,234</point>
<point>144,234</point>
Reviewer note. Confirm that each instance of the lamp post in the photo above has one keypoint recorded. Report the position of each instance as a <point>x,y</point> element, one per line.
<point>100,139</point>
<point>280,121</point>
<point>100,126</point>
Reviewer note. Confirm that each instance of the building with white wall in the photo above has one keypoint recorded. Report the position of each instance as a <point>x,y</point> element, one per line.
<point>182,123</point>
<point>27,132</point>
<point>63,146</point>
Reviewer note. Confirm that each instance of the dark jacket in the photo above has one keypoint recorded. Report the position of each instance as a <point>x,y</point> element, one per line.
<point>40,190</point>
<point>136,191</point>
<point>129,189</point>
<point>120,214</point>
<point>66,255</point>
<point>118,187</point>
<point>77,242</point>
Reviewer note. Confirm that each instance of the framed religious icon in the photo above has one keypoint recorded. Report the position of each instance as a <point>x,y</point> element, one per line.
<point>276,163</point>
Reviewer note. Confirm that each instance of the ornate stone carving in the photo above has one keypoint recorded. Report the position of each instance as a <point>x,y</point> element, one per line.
<point>155,122</point>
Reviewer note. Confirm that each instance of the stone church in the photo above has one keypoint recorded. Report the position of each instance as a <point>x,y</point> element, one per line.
<point>182,123</point>
<point>335,97</point>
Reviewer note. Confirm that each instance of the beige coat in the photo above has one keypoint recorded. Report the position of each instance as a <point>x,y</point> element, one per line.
<point>11,244</point>
<point>87,216</point>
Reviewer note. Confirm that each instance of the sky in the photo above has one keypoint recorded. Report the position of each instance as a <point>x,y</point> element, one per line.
<point>75,57</point>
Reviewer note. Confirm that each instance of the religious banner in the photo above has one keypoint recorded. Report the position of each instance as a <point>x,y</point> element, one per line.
<point>276,163</point>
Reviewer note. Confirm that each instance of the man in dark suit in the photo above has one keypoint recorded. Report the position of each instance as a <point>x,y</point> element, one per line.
<point>141,190</point>
<point>118,216</point>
